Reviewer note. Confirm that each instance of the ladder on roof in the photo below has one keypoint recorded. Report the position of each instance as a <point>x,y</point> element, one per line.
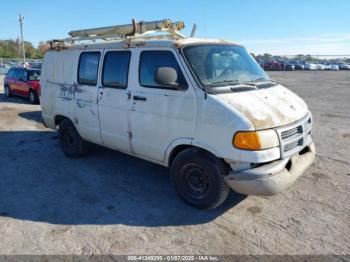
<point>120,32</point>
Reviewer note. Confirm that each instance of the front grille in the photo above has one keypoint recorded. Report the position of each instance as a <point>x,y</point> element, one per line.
<point>292,145</point>
<point>292,132</point>
<point>293,137</point>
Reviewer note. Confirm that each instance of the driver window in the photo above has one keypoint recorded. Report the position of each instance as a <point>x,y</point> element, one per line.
<point>150,61</point>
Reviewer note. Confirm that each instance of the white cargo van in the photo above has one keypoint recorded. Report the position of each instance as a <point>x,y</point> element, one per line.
<point>204,108</point>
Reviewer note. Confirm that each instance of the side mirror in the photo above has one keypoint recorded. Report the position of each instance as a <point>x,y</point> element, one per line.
<point>167,76</point>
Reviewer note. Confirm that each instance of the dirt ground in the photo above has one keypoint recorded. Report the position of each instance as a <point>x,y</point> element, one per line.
<point>111,203</point>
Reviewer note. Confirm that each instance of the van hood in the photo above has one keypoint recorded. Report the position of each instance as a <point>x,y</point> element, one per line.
<point>267,108</point>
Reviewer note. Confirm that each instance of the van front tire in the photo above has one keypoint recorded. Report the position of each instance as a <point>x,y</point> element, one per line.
<point>199,178</point>
<point>72,144</point>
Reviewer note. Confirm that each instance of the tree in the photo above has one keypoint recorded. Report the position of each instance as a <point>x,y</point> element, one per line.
<point>42,48</point>
<point>267,57</point>
<point>29,50</point>
<point>8,49</point>
<point>13,49</point>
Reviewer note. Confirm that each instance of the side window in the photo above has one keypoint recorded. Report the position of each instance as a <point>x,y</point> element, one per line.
<point>21,75</point>
<point>88,68</point>
<point>150,61</point>
<point>11,73</point>
<point>115,69</point>
<point>15,73</point>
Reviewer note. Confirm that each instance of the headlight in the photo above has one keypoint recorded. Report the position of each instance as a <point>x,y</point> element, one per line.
<point>255,140</point>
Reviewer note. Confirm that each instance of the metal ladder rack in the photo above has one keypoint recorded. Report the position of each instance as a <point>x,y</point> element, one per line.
<point>120,32</point>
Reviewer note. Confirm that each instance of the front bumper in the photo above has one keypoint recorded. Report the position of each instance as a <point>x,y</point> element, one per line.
<point>274,177</point>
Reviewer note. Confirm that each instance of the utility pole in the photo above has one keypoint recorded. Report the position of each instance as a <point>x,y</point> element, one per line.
<point>1,56</point>
<point>21,18</point>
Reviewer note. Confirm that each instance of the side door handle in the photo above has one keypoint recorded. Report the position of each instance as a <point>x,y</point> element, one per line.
<point>139,98</point>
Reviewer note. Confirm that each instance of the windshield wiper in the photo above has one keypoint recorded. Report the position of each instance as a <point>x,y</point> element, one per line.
<point>224,83</point>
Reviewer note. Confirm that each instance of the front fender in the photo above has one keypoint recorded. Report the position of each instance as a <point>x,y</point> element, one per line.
<point>173,145</point>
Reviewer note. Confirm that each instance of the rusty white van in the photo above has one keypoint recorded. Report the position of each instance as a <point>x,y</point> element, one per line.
<point>202,107</point>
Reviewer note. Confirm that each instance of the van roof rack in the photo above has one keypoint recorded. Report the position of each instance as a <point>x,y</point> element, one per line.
<point>120,32</point>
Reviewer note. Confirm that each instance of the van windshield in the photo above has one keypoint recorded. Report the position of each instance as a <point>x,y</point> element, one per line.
<point>223,65</point>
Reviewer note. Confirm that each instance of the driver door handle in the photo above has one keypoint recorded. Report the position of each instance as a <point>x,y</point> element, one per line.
<point>139,98</point>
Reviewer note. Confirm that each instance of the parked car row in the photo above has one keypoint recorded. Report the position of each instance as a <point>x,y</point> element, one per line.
<point>7,64</point>
<point>297,65</point>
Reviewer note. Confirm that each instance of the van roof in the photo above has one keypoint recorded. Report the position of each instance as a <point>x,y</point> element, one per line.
<point>154,41</point>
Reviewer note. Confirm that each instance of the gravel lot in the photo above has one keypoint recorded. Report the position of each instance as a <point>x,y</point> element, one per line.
<point>111,203</point>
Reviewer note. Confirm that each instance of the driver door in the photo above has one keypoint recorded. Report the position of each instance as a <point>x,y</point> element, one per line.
<point>159,115</point>
<point>21,86</point>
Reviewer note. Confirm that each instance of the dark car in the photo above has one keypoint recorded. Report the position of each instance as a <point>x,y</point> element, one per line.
<point>287,66</point>
<point>299,66</point>
<point>23,82</point>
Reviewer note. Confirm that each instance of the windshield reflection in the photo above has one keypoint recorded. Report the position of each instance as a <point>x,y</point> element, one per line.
<point>222,65</point>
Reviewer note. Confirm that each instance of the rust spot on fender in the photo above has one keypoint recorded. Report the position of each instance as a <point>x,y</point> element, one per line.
<point>267,108</point>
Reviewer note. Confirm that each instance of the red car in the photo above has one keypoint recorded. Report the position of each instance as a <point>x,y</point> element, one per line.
<point>23,82</point>
<point>273,66</point>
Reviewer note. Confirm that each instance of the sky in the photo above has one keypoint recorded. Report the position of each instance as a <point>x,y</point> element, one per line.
<point>279,27</point>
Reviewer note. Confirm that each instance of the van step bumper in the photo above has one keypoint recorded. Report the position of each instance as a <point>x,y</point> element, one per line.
<point>272,178</point>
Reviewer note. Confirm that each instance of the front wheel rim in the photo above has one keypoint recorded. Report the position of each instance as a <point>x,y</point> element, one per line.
<point>194,181</point>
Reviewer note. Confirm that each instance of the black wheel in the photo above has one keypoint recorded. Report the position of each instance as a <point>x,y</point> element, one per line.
<point>199,178</point>
<point>70,141</point>
<point>33,98</point>
<point>7,91</point>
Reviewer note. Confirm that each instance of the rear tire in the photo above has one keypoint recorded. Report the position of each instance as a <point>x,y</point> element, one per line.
<point>199,178</point>
<point>7,91</point>
<point>72,144</point>
<point>33,98</point>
